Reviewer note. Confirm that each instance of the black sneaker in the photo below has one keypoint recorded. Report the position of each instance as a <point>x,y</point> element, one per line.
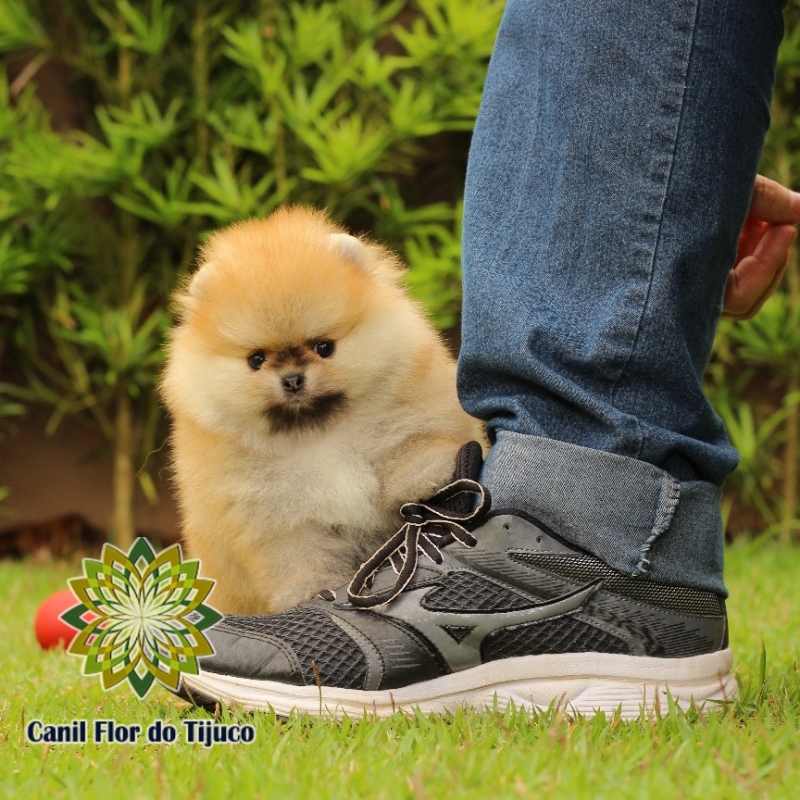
<point>466,605</point>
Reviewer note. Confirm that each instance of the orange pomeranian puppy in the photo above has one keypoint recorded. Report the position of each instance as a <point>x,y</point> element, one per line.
<point>310,398</point>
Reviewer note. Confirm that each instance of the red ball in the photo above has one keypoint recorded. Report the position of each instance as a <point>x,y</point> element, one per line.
<point>50,630</point>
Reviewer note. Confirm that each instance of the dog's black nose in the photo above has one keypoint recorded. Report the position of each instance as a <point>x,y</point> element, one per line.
<point>293,383</point>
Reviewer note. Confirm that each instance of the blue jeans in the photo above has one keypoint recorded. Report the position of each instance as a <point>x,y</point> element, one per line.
<point>610,173</point>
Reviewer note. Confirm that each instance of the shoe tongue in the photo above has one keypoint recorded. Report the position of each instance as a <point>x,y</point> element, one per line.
<point>469,461</point>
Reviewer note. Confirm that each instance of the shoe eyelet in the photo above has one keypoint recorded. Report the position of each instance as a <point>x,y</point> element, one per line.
<point>507,526</point>
<point>538,540</point>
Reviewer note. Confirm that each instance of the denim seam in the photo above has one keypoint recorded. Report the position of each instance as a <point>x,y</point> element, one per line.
<point>687,67</point>
<point>667,504</point>
<point>507,230</point>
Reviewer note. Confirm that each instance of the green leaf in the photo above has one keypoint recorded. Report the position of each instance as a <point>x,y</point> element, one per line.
<point>148,36</point>
<point>345,150</point>
<point>308,33</point>
<point>237,196</point>
<point>19,29</point>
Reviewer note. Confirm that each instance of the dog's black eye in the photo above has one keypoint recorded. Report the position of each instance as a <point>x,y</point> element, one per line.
<point>255,360</point>
<point>324,348</point>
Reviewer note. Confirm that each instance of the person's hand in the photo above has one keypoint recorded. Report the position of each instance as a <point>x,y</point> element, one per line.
<point>763,251</point>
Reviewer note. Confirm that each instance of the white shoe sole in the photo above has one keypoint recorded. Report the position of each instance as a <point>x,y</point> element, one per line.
<point>580,683</point>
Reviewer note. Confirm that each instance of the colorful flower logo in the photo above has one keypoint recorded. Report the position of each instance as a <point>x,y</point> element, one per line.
<point>141,617</point>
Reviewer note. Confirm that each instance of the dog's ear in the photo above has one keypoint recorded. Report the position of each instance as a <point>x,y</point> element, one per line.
<point>350,248</point>
<point>191,290</point>
<point>198,279</point>
<point>373,259</point>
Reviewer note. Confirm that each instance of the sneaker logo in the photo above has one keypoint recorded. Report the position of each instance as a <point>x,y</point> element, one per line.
<point>458,635</point>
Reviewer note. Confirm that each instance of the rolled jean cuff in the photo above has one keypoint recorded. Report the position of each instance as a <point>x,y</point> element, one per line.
<point>635,517</point>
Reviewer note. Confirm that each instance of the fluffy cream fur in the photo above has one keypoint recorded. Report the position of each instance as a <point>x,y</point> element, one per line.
<point>278,512</point>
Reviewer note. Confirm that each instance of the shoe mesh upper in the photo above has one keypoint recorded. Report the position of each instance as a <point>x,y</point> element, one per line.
<point>564,634</point>
<point>314,638</point>
<point>466,591</point>
<point>582,569</point>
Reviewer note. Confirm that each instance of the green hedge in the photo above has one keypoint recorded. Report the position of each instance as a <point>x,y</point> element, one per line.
<point>185,117</point>
<point>181,117</point>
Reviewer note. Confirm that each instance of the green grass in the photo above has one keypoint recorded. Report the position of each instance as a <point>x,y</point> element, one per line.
<point>747,751</point>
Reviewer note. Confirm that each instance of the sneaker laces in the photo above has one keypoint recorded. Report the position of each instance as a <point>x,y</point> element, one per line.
<point>428,527</point>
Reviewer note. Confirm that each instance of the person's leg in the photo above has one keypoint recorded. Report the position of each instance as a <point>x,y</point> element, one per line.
<point>610,174</point>
<point>609,177</point>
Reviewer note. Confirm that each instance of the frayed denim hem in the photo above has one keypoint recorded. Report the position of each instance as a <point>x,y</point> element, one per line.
<point>632,515</point>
